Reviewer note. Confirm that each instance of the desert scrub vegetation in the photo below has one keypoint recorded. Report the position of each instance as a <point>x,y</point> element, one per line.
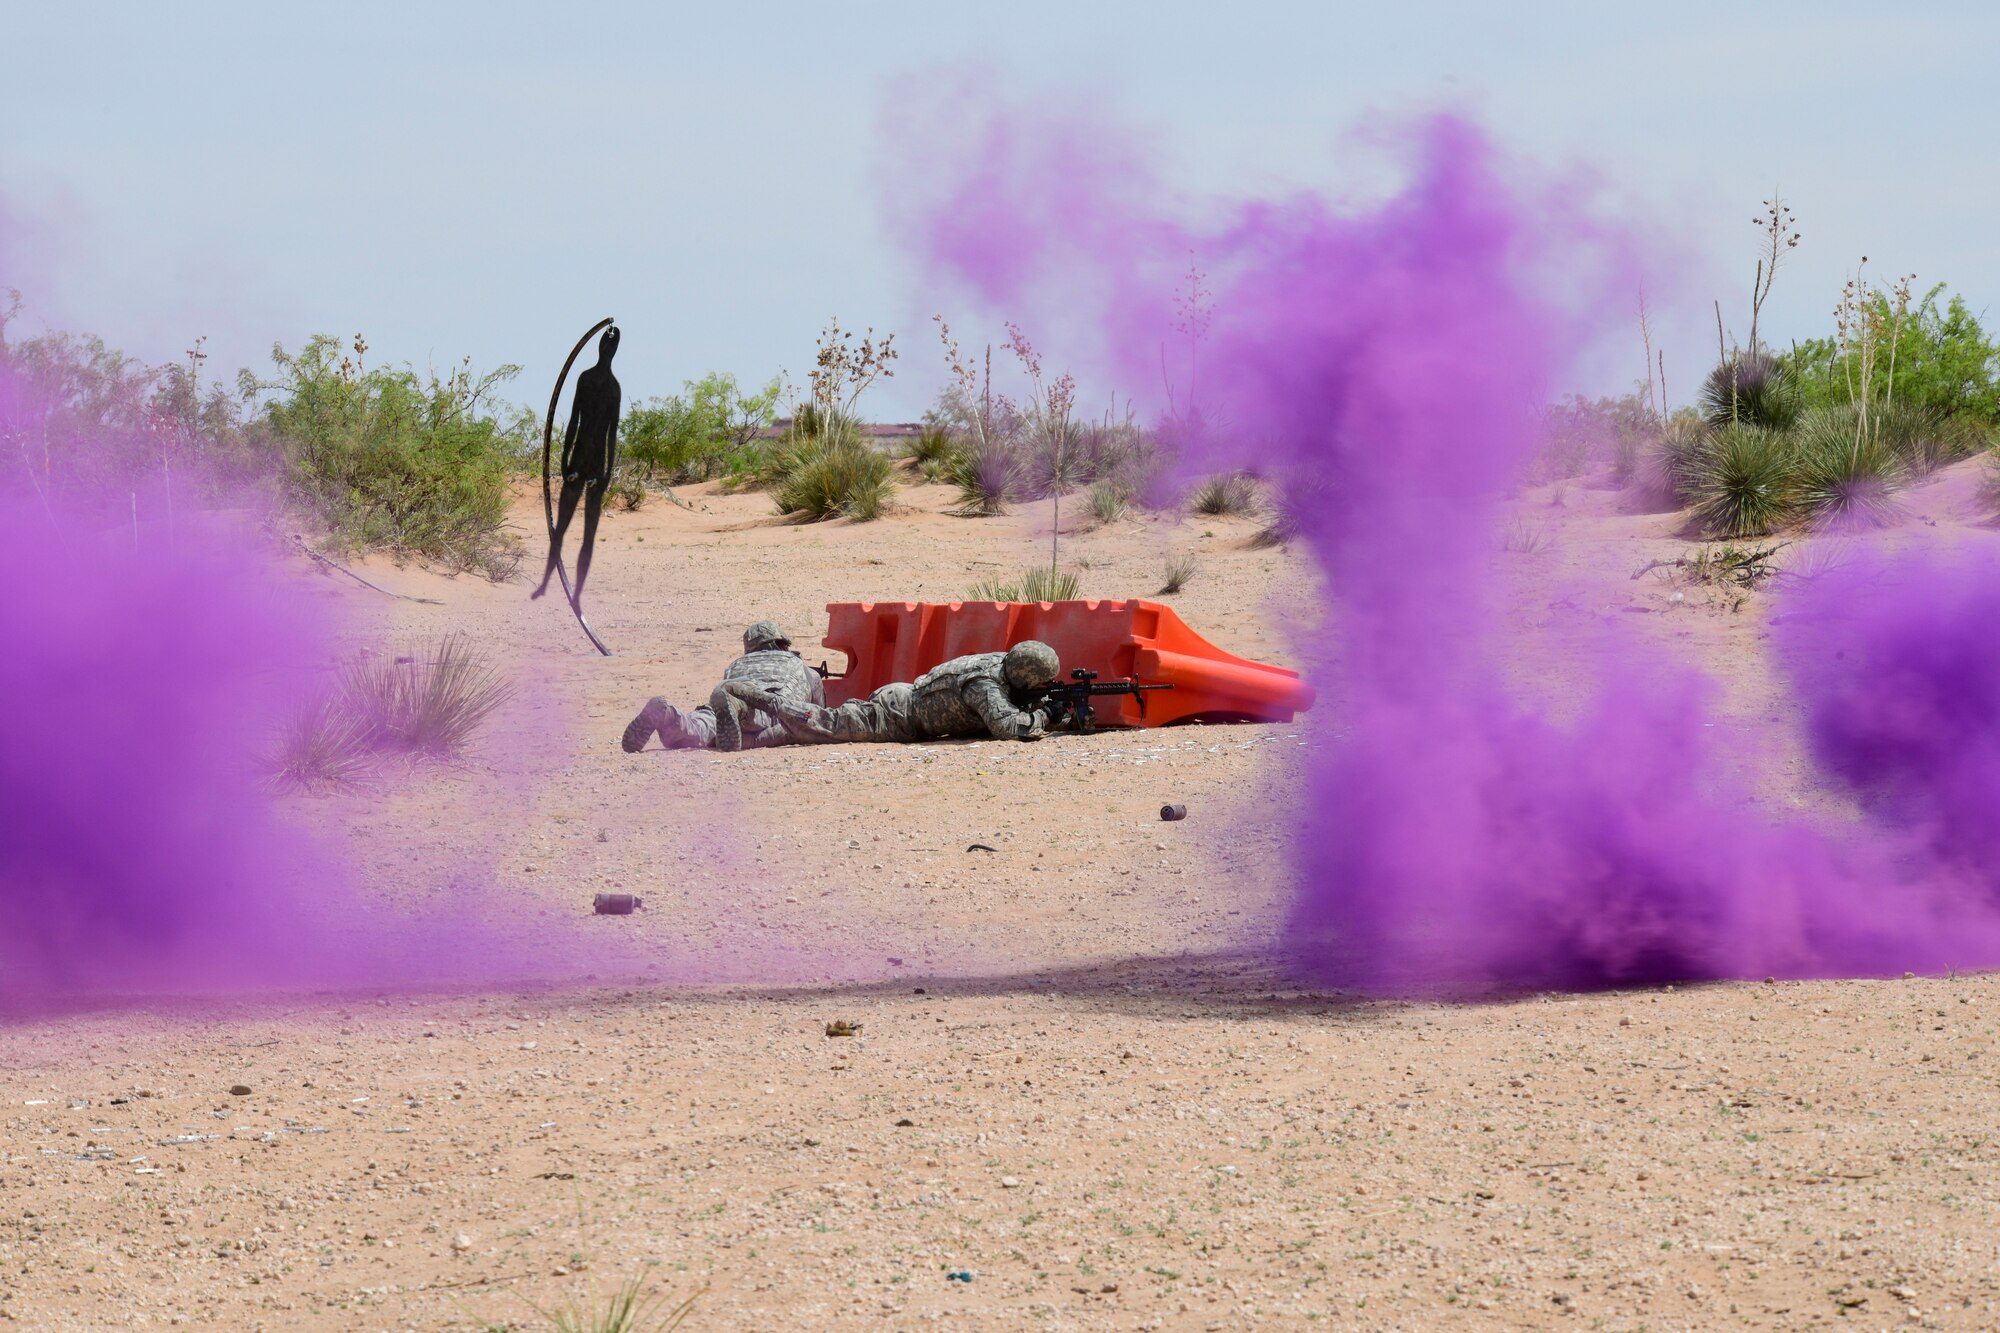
<point>825,468</point>
<point>368,458</point>
<point>1006,450</point>
<point>386,459</point>
<point>1039,583</point>
<point>710,429</point>
<point>1180,567</point>
<point>424,705</point>
<point>1228,493</point>
<point>1109,500</point>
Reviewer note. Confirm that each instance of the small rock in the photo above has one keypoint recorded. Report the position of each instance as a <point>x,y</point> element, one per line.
<point>461,1242</point>
<point>240,1090</point>
<point>1009,1183</point>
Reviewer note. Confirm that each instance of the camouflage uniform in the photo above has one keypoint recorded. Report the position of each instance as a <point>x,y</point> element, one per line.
<point>769,664</point>
<point>987,694</point>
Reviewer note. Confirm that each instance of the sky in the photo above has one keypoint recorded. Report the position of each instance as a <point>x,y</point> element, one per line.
<point>488,180</point>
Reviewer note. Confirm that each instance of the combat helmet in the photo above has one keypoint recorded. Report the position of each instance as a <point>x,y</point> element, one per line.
<point>1031,664</point>
<point>764,636</point>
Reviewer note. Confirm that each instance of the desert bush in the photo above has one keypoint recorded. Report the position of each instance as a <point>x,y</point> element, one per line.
<point>1846,469</point>
<point>1741,482</point>
<point>1037,584</point>
<point>1180,567</point>
<point>1225,493</point>
<point>934,445</point>
<point>1108,501</point>
<point>988,478</point>
<point>385,459</point>
<point>667,442</point>
<point>1925,438</point>
<point>1938,358</point>
<point>1582,432</point>
<point>1750,388</point>
<point>826,469</point>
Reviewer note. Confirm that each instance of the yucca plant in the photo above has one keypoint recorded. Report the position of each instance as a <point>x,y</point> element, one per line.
<point>627,1310</point>
<point>1037,584</point>
<point>989,478</point>
<point>1742,482</point>
<point>933,445</point>
<point>1750,389</point>
<point>1848,469</point>
<point>835,478</point>
<point>1108,501</point>
<point>1926,439</point>
<point>1225,493</point>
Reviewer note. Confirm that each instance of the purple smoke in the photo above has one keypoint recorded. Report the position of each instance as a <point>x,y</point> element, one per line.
<point>1388,364</point>
<point>147,666</point>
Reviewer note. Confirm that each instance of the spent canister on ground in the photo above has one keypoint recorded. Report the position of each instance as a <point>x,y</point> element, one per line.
<point>1172,812</point>
<point>614,904</point>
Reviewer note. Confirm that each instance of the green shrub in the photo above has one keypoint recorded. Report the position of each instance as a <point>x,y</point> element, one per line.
<point>1226,493</point>
<point>1040,583</point>
<point>1741,482</point>
<point>1941,360</point>
<point>383,459</point>
<point>1846,470</point>
<point>1750,389</point>
<point>839,476</point>
<point>988,478</point>
<point>1108,501</point>
<point>1926,439</point>
<point>933,445</point>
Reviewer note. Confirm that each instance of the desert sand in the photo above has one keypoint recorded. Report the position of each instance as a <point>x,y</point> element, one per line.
<point>1080,1079</point>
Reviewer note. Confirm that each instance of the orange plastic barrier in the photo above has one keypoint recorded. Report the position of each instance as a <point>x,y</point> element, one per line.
<point>1147,641</point>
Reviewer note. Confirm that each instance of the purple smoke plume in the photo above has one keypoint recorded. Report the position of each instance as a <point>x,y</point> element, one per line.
<point>147,667</point>
<point>1388,365</point>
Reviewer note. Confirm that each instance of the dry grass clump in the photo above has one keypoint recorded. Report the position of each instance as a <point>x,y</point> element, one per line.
<point>421,705</point>
<point>1040,583</point>
<point>1181,566</point>
<point>1521,537</point>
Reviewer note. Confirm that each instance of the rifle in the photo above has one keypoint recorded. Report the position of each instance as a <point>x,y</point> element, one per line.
<point>1071,702</point>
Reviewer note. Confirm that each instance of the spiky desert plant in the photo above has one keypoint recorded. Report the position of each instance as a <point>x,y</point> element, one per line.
<point>1924,438</point>
<point>1108,501</point>
<point>626,1310</point>
<point>934,444</point>
<point>1848,471</point>
<point>988,477</point>
<point>1225,493</point>
<point>1750,389</point>
<point>1742,482</point>
<point>1038,583</point>
<point>836,479</point>
<point>424,703</point>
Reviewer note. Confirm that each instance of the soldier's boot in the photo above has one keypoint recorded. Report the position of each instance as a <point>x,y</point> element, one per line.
<point>728,719</point>
<point>643,727</point>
